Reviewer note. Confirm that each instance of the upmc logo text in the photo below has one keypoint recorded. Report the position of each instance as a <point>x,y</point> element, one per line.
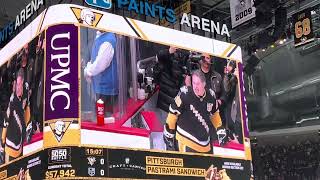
<point>61,83</point>
<point>105,4</point>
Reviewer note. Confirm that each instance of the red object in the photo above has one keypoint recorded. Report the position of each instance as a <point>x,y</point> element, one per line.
<point>132,107</point>
<point>100,112</point>
<point>153,122</point>
<point>230,145</point>
<point>35,138</point>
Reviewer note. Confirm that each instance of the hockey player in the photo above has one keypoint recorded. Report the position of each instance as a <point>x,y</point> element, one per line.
<point>14,130</point>
<point>192,118</point>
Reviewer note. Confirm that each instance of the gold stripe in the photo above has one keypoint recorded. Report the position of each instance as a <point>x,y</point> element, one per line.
<point>12,152</point>
<point>231,46</point>
<point>138,29</point>
<point>186,142</point>
<point>172,120</point>
<point>71,137</point>
<point>4,135</point>
<point>216,120</point>
<point>248,153</point>
<point>41,21</point>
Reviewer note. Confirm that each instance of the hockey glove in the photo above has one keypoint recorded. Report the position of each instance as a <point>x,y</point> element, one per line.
<point>222,136</point>
<point>168,137</point>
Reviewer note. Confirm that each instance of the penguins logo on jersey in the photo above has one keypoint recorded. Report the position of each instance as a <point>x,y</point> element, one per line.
<point>209,107</point>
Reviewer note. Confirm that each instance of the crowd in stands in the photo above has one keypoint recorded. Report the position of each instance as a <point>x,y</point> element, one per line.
<point>299,161</point>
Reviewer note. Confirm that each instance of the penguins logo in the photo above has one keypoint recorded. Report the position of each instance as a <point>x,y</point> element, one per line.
<point>242,2</point>
<point>87,17</point>
<point>59,129</point>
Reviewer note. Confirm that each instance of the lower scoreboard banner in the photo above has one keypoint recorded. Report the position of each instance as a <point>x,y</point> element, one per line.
<point>28,167</point>
<point>158,165</point>
<point>95,162</point>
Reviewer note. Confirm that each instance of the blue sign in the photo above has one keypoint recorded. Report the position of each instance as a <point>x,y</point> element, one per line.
<point>148,9</point>
<point>105,4</point>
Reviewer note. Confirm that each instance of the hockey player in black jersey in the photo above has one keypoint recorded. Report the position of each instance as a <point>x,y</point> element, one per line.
<point>193,117</point>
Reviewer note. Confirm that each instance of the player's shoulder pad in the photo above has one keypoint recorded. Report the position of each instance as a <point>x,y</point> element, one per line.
<point>184,89</point>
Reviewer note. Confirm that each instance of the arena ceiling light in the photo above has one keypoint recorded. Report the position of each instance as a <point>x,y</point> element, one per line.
<point>307,119</point>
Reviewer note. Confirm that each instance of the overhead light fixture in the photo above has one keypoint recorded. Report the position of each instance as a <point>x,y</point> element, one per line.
<point>285,39</point>
<point>263,50</point>
<point>281,42</point>
<point>272,46</point>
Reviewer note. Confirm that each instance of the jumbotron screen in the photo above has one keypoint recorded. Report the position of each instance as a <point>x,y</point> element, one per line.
<point>154,96</point>
<point>82,101</point>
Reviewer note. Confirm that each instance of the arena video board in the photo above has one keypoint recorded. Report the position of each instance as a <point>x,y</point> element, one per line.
<point>146,61</point>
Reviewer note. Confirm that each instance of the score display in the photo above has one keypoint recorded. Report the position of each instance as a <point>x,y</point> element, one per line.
<point>96,162</point>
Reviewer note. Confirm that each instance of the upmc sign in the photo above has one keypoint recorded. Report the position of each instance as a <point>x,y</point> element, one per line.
<point>61,72</point>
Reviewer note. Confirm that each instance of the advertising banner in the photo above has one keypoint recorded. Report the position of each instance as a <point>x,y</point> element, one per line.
<point>30,167</point>
<point>241,11</point>
<point>98,162</point>
<point>156,165</point>
<point>303,32</point>
<point>61,86</point>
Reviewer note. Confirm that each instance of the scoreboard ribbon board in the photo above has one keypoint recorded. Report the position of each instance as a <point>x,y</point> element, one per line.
<point>98,162</point>
<point>303,32</point>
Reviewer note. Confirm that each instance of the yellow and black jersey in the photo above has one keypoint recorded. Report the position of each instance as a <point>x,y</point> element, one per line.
<point>192,118</point>
<point>14,131</point>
